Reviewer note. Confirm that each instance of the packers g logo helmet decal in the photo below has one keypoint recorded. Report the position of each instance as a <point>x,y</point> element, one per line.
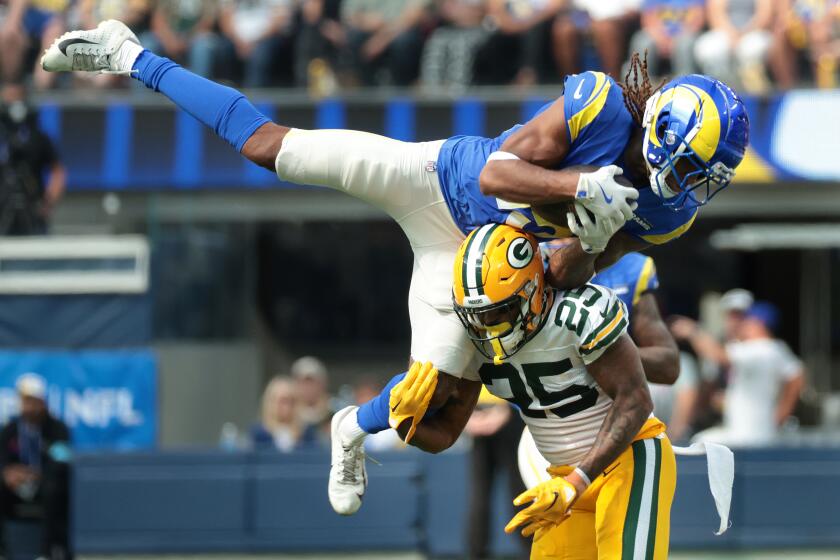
<point>520,253</point>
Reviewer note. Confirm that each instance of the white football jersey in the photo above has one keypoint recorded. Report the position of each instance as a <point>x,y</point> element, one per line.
<point>547,380</point>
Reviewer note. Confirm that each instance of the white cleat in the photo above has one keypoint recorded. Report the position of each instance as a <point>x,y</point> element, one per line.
<point>96,50</point>
<point>348,477</point>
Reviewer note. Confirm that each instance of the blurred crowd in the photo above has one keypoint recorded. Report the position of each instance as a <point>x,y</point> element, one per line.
<point>296,410</point>
<point>739,384</point>
<point>758,45</point>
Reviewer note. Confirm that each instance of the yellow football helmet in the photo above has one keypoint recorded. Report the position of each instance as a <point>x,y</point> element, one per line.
<point>499,290</point>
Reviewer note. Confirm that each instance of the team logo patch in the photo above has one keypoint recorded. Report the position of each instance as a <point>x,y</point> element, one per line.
<point>520,253</point>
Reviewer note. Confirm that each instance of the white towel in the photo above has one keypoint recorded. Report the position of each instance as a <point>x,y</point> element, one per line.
<point>720,462</point>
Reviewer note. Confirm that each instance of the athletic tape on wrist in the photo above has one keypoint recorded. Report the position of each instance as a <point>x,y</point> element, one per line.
<point>583,476</point>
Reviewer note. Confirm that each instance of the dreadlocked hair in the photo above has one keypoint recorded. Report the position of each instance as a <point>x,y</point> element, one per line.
<point>639,91</point>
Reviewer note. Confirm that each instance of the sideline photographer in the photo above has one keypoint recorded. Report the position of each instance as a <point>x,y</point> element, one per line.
<point>32,178</point>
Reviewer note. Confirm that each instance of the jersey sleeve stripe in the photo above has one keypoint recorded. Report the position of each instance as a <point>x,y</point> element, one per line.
<point>592,107</point>
<point>643,281</point>
<point>659,239</point>
<point>608,318</point>
<point>609,338</point>
<point>615,327</point>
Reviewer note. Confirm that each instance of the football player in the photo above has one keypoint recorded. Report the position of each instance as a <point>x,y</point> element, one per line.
<point>633,279</point>
<point>678,144</point>
<point>564,358</point>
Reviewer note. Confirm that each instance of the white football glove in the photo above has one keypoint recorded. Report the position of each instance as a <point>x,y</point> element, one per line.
<point>593,234</point>
<point>604,196</point>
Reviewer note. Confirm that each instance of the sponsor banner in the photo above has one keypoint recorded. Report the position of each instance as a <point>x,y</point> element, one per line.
<point>107,398</point>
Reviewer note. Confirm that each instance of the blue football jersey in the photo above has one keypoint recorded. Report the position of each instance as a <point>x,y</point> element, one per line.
<point>599,128</point>
<point>630,277</point>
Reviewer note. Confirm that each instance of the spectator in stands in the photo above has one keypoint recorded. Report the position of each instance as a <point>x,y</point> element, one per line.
<point>520,43</point>
<point>825,45</point>
<point>260,32</point>
<point>669,29</point>
<point>32,177</point>
<point>804,27</point>
<point>734,304</point>
<point>608,23</point>
<point>310,375</point>
<point>449,54</point>
<point>495,429</point>
<point>184,31</point>
<point>675,404</point>
<point>135,13</point>
<point>34,455</point>
<point>319,39</point>
<point>732,307</point>
<point>26,30</point>
<point>735,47</point>
<point>764,377</point>
<point>281,427</point>
<point>385,39</point>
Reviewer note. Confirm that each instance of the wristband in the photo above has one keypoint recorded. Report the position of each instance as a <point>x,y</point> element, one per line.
<point>583,476</point>
<point>498,155</point>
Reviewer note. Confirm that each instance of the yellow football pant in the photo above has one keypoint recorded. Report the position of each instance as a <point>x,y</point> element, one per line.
<point>624,515</point>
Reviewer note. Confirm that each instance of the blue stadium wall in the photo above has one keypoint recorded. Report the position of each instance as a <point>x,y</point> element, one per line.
<point>218,502</point>
<point>141,145</point>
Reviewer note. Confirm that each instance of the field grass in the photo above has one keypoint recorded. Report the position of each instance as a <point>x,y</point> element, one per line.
<point>757,555</point>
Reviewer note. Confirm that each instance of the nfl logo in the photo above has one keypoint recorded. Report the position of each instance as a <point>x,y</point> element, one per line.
<point>431,166</point>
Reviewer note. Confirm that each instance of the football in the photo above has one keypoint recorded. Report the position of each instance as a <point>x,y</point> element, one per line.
<point>555,212</point>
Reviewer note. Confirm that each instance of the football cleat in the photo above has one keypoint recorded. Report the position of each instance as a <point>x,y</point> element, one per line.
<point>348,476</point>
<point>111,48</point>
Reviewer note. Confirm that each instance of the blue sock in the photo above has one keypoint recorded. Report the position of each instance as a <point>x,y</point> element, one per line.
<point>225,110</point>
<point>373,415</point>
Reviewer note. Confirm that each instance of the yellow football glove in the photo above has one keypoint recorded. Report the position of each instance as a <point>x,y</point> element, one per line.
<point>410,397</point>
<point>550,504</point>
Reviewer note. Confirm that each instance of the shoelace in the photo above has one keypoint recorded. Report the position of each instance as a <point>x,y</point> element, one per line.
<point>89,60</point>
<point>349,464</point>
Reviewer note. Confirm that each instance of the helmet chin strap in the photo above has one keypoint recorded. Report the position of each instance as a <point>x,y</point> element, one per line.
<point>657,176</point>
<point>518,330</point>
<point>499,358</point>
<point>658,182</point>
